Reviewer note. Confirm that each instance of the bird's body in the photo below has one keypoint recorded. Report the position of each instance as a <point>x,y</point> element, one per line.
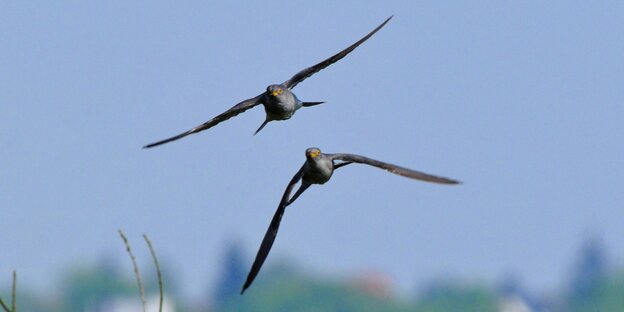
<point>318,169</point>
<point>282,106</point>
<point>279,102</point>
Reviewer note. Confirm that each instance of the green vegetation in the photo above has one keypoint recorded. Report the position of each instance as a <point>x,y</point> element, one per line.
<point>453,297</point>
<point>90,288</point>
<point>606,295</point>
<point>286,290</point>
<point>593,287</point>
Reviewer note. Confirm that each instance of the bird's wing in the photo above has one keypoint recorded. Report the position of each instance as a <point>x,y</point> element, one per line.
<point>393,168</point>
<point>235,110</point>
<point>302,75</point>
<point>271,232</point>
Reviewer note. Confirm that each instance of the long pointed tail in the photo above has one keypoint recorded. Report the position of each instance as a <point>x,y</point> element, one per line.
<point>308,104</point>
<point>262,126</point>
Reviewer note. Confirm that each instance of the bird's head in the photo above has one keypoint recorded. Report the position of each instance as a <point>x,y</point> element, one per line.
<point>275,90</point>
<point>312,152</point>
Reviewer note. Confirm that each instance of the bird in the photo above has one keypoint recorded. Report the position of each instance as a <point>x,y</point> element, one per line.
<point>279,102</point>
<point>318,169</point>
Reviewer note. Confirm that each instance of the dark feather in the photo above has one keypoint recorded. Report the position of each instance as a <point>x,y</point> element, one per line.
<point>302,75</point>
<point>271,232</point>
<point>392,168</point>
<point>308,104</point>
<point>266,121</point>
<point>235,110</point>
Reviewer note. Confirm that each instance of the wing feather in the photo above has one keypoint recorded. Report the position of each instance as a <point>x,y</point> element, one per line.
<point>413,174</point>
<point>303,74</point>
<point>271,232</point>
<point>235,110</point>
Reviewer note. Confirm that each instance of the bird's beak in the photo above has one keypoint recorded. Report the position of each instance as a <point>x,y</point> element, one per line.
<point>277,92</point>
<point>314,154</point>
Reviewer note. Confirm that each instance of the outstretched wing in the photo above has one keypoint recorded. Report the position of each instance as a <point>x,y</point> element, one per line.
<point>393,168</point>
<point>271,232</point>
<point>302,75</point>
<point>235,110</point>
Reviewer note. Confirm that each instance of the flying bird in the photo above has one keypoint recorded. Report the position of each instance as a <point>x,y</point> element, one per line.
<point>280,103</point>
<point>318,169</point>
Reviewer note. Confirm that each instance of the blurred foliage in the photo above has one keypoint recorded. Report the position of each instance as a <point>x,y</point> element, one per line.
<point>607,295</point>
<point>592,288</point>
<point>450,296</point>
<point>93,288</point>
<point>281,287</point>
<point>233,271</point>
<point>590,270</point>
<point>27,301</point>
<point>89,289</point>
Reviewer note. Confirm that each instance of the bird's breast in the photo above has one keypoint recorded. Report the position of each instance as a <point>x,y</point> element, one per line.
<point>281,107</point>
<point>318,172</point>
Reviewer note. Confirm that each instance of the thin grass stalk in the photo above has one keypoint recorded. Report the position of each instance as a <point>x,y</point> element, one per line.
<point>4,306</point>
<point>14,292</point>
<point>136,270</point>
<point>158,272</point>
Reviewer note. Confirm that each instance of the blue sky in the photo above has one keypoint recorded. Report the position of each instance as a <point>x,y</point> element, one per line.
<point>522,101</point>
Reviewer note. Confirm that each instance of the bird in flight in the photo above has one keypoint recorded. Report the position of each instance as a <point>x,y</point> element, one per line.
<point>317,169</point>
<point>280,103</point>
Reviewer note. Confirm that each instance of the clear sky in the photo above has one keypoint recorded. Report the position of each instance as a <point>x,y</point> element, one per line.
<point>522,101</point>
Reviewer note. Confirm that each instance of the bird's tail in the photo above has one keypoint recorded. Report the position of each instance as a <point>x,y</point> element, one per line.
<point>308,104</point>
<point>262,126</point>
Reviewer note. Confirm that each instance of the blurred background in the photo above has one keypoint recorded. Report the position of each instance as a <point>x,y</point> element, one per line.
<point>521,101</point>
